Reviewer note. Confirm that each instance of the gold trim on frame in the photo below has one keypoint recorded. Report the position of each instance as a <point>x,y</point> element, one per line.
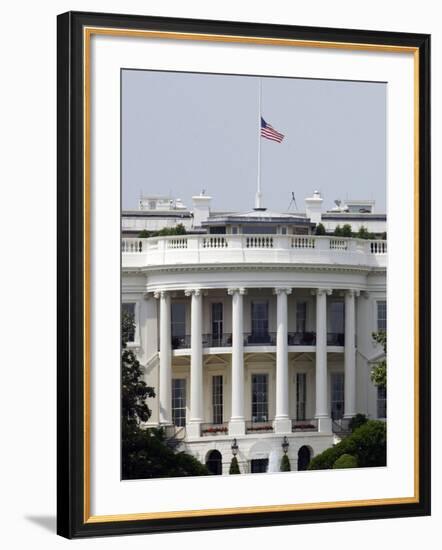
<point>87,33</point>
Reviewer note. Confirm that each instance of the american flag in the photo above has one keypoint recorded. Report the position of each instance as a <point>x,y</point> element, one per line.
<point>269,132</point>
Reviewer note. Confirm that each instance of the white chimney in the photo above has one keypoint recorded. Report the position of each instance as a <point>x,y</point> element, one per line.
<point>201,208</point>
<point>313,207</point>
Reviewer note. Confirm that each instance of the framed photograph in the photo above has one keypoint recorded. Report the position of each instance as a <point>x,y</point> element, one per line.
<point>243,217</point>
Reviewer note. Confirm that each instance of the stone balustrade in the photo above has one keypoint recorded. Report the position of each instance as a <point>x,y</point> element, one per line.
<point>206,249</point>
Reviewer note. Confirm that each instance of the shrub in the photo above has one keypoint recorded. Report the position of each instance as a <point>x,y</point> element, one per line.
<point>145,454</point>
<point>144,234</point>
<point>368,444</point>
<point>346,230</point>
<point>285,464</point>
<point>338,231</point>
<point>345,461</point>
<point>357,421</point>
<point>364,234</point>
<point>234,466</point>
<point>165,232</point>
<point>320,229</point>
<point>177,230</point>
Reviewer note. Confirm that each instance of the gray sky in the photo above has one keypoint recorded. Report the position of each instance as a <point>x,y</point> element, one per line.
<point>182,132</point>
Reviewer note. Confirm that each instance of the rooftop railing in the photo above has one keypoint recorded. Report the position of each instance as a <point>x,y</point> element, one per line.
<point>203,249</point>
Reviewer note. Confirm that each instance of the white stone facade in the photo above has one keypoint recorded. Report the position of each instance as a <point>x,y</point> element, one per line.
<point>270,336</point>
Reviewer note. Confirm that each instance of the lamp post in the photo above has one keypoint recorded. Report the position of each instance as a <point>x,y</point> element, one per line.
<point>285,445</point>
<point>234,447</point>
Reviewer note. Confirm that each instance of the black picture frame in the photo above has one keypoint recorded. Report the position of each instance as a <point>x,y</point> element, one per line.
<point>72,393</point>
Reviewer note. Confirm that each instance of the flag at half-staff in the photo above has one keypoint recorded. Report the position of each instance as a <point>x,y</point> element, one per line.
<point>268,132</point>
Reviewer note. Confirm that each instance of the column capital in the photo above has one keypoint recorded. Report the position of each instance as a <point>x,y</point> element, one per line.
<point>194,291</point>
<point>159,294</point>
<point>232,291</point>
<point>321,291</point>
<point>278,290</point>
<point>352,292</point>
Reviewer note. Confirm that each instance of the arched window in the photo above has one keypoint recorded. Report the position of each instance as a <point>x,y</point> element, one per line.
<point>214,462</point>
<point>304,456</point>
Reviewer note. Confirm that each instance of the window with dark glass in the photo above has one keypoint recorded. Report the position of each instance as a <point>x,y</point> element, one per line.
<point>217,323</point>
<point>178,323</point>
<point>179,401</point>
<point>260,405</point>
<point>301,316</point>
<point>129,309</point>
<point>337,395</point>
<point>382,315</point>
<point>260,321</point>
<point>337,317</point>
<point>217,399</point>
<point>259,229</point>
<point>301,394</point>
<point>382,402</point>
<point>259,465</point>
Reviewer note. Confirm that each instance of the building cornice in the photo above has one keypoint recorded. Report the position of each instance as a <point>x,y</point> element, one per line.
<point>245,267</point>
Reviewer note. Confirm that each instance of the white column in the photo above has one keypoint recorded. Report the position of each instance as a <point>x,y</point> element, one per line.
<point>282,423</point>
<point>350,355</point>
<point>237,425</point>
<point>322,410</point>
<point>165,390</point>
<point>196,364</point>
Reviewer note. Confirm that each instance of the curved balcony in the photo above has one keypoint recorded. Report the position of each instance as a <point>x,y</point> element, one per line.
<point>263,339</point>
<point>234,249</point>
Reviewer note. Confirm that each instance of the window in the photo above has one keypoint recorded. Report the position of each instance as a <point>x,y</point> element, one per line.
<point>301,386</point>
<point>214,462</point>
<point>260,406</point>
<point>301,316</point>
<point>283,230</point>
<point>129,309</point>
<point>259,229</point>
<point>260,321</point>
<point>337,395</point>
<point>382,315</point>
<point>178,317</point>
<point>217,399</point>
<point>304,456</point>
<point>234,230</point>
<point>337,317</point>
<point>179,401</point>
<point>259,465</point>
<point>217,323</point>
<point>382,402</point>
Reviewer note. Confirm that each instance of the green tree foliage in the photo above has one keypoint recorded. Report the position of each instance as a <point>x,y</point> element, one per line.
<point>234,466</point>
<point>357,421</point>
<point>346,230</point>
<point>338,231</point>
<point>146,455</point>
<point>285,463</point>
<point>134,390</point>
<point>345,461</point>
<point>144,452</point>
<point>320,229</point>
<point>379,371</point>
<point>363,233</point>
<point>165,232</point>
<point>368,444</point>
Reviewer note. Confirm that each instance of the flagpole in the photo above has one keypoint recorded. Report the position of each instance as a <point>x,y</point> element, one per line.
<point>258,191</point>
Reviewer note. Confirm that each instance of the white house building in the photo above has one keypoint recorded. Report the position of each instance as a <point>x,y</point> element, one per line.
<point>256,333</point>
